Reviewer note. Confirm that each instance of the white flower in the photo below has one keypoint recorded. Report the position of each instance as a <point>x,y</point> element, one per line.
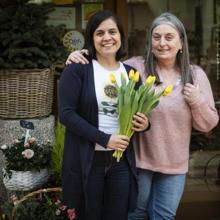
<point>58,212</point>
<point>28,153</point>
<point>4,147</point>
<point>57,202</point>
<point>16,141</point>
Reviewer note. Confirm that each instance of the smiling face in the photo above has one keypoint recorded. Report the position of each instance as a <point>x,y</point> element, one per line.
<point>166,42</point>
<point>107,39</point>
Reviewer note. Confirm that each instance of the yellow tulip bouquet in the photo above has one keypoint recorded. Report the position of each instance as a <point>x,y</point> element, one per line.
<point>131,101</point>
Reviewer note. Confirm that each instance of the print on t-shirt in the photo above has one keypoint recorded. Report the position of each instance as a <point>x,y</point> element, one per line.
<point>109,107</point>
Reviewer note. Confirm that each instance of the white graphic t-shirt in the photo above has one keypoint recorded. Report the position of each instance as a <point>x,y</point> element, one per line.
<point>106,94</point>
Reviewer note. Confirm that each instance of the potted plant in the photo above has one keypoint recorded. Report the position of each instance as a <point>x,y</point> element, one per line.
<point>26,164</point>
<point>29,50</point>
<point>42,204</point>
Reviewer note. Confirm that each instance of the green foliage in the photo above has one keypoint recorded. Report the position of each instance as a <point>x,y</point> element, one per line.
<point>57,151</point>
<point>25,157</point>
<point>6,210</point>
<point>44,207</point>
<point>26,41</point>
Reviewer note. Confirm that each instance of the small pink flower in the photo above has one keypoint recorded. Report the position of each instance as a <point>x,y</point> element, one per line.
<point>71,214</point>
<point>63,207</point>
<point>28,153</point>
<point>26,145</point>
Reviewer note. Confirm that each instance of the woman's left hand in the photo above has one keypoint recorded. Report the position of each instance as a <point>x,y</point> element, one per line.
<point>140,122</point>
<point>191,93</point>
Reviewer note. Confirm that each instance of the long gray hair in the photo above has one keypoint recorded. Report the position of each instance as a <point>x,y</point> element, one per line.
<point>182,57</point>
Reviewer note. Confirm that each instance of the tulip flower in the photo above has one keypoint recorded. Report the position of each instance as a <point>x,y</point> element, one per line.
<point>150,80</point>
<point>131,101</point>
<point>136,76</point>
<point>167,90</point>
<point>131,74</point>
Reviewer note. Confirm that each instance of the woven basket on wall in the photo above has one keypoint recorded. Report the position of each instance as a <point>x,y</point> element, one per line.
<point>26,93</point>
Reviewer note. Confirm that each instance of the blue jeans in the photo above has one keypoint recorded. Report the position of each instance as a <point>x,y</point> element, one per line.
<point>108,188</point>
<point>158,196</point>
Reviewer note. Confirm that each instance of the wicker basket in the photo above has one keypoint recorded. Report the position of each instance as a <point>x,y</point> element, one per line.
<point>25,180</point>
<point>33,195</point>
<point>26,93</point>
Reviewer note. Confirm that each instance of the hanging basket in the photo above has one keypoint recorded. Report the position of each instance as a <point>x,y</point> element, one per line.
<point>25,180</point>
<point>26,93</point>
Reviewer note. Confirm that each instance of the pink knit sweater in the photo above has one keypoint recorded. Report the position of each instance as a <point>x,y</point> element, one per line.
<point>165,147</point>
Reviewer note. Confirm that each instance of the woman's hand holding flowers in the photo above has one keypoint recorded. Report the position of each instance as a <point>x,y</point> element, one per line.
<point>118,142</point>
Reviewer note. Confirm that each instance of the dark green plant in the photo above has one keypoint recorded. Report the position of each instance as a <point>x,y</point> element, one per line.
<point>44,207</point>
<point>26,41</point>
<point>57,152</point>
<point>41,205</point>
<point>6,209</point>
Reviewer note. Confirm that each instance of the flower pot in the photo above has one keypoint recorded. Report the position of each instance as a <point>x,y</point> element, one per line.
<point>25,180</point>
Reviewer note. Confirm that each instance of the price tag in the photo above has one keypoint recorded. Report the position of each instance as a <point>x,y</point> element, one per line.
<point>27,124</point>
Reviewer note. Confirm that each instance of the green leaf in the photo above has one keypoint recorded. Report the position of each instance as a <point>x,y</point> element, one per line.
<point>57,151</point>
